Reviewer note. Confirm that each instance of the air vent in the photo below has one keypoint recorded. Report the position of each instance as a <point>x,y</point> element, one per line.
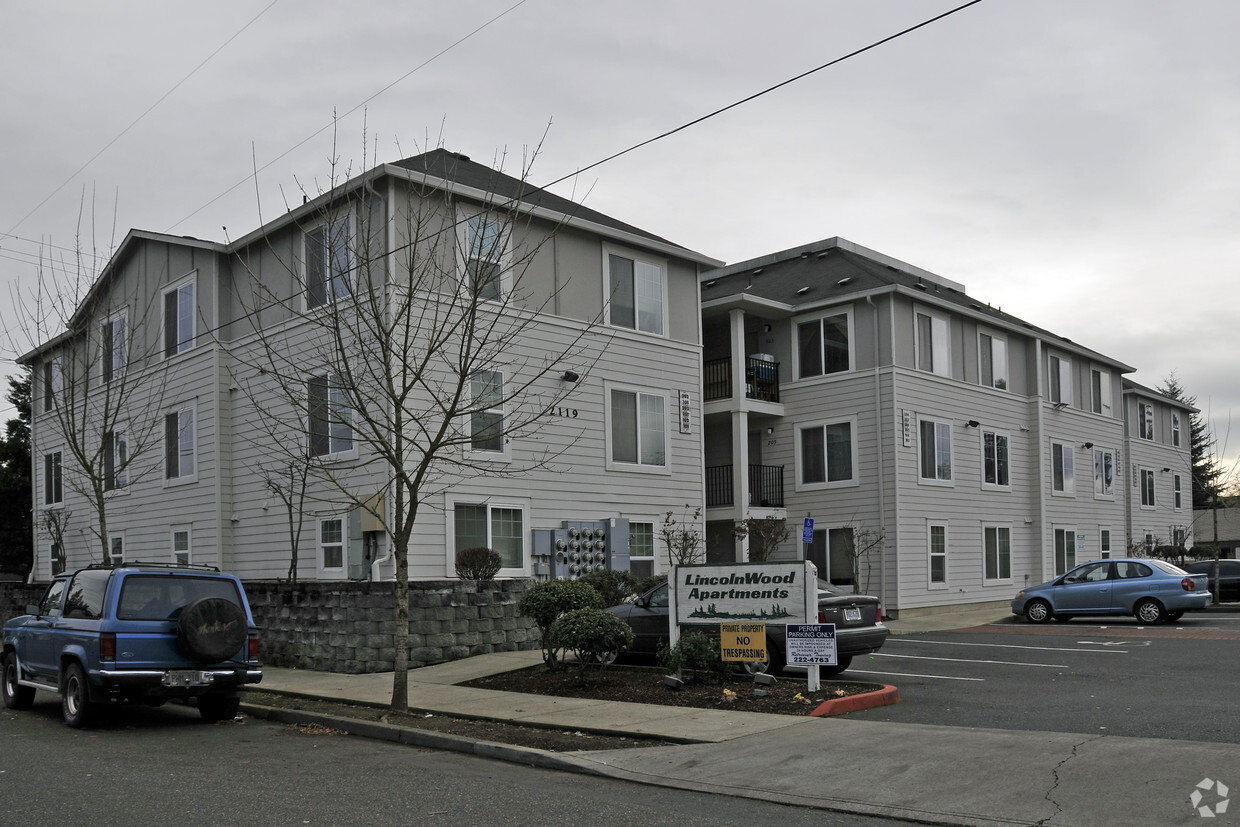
<point>758,272</point>
<point>803,291</point>
<point>920,285</point>
<point>843,281</point>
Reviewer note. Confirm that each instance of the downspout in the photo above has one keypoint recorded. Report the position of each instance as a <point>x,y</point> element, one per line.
<point>1041,466</point>
<point>882,454</point>
<point>376,565</point>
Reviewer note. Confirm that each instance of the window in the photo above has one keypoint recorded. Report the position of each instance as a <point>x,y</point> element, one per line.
<point>936,450</point>
<point>331,416</point>
<point>1147,488</point>
<point>1062,475</point>
<point>997,541</point>
<point>933,344</point>
<point>484,244</point>
<point>938,555</point>
<point>179,445</point>
<point>1065,549</point>
<point>1145,420</point>
<point>638,428</point>
<point>53,383</point>
<point>635,293</point>
<point>823,345</point>
<point>1177,491</point>
<point>1059,380</point>
<point>995,460</point>
<point>497,527</point>
<point>826,454</point>
<point>833,550</point>
<point>1175,429</point>
<point>56,557</point>
<point>641,549</point>
<point>116,549</point>
<point>53,483</point>
<point>115,355</point>
<point>179,319</point>
<point>115,460</point>
<point>1100,392</point>
<point>486,423</point>
<point>992,365</point>
<point>1104,473</point>
<point>180,547</point>
<point>1104,544</point>
<point>328,262</point>
<point>331,546</point>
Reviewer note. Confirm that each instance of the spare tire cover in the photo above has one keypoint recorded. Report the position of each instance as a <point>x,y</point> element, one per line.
<point>211,629</point>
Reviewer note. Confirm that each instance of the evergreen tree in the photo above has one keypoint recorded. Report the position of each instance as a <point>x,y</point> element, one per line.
<point>16,535</point>
<point>1207,473</point>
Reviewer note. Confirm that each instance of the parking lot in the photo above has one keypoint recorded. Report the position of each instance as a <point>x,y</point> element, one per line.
<point>1111,676</point>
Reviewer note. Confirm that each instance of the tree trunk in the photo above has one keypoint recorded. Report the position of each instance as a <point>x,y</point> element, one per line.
<point>400,635</point>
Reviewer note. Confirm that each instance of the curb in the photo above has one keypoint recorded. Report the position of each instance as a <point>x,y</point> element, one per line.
<point>865,700</point>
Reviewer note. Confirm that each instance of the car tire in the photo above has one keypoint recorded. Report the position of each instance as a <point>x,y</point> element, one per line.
<point>75,703</point>
<point>1038,611</point>
<point>1064,618</point>
<point>1176,615</point>
<point>773,665</point>
<point>1149,610</point>
<point>16,696</point>
<point>214,708</point>
<point>211,629</point>
<point>845,661</point>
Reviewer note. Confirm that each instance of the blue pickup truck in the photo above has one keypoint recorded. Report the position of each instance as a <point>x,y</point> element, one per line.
<point>135,633</point>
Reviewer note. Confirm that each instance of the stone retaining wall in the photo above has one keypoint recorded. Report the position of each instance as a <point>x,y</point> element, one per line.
<point>15,597</point>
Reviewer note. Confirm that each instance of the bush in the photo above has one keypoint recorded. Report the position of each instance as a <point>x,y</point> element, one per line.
<point>696,656</point>
<point>545,602</point>
<point>477,564</point>
<point>613,586</point>
<point>593,635</point>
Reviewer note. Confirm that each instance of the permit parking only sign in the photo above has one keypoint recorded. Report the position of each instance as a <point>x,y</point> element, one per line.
<point>812,644</point>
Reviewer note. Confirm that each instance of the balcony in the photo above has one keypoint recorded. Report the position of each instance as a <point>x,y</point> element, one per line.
<point>761,379</point>
<point>766,486</point>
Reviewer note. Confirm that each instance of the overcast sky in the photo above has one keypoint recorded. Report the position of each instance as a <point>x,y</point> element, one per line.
<point>1075,162</point>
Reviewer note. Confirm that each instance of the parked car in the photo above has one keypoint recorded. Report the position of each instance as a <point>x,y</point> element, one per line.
<point>1222,578</point>
<point>142,632</point>
<point>1153,590</point>
<point>857,617</point>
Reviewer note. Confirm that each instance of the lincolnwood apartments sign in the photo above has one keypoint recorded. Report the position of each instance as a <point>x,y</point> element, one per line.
<point>770,592</point>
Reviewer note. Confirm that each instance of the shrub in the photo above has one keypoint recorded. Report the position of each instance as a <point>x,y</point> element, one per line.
<point>477,564</point>
<point>545,602</point>
<point>613,586</point>
<point>696,655</point>
<point>593,635</point>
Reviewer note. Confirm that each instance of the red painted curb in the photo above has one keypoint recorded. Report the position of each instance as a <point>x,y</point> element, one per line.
<point>866,700</point>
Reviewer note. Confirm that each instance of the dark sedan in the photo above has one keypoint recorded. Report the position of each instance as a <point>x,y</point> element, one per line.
<point>1223,578</point>
<point>857,617</point>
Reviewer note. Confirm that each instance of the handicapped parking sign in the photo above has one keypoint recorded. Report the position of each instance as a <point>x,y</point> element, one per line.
<point>807,533</point>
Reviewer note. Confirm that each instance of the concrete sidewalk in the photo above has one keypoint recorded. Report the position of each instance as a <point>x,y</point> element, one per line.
<point>944,775</point>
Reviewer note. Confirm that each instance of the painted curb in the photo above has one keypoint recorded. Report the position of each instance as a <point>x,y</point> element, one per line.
<point>866,700</point>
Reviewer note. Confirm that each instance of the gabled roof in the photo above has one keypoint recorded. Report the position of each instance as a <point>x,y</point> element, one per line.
<point>835,270</point>
<point>1134,387</point>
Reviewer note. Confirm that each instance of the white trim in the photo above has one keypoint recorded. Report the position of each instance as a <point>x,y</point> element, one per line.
<point>1104,401</point>
<point>464,215</point>
<point>1153,475</point>
<point>853,479</point>
<point>1177,492</point>
<point>930,555</point>
<point>329,296</point>
<point>1105,553</point>
<point>113,537</point>
<point>329,455</point>
<point>109,332</point>
<point>1097,469</point>
<point>940,341</point>
<point>1059,367</point>
<point>181,478</point>
<point>1067,456</point>
<point>998,376</point>
<point>452,500</point>
<point>950,480</point>
<point>326,572</point>
<point>638,467</point>
<point>183,345</point>
<point>1069,531</point>
<point>636,257</point>
<point>999,579</point>
<point>504,454</point>
<point>173,531</point>
<point>818,316</point>
<point>981,439</point>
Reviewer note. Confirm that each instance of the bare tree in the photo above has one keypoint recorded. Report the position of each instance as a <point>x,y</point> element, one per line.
<point>764,533</point>
<point>683,537</point>
<point>288,482</point>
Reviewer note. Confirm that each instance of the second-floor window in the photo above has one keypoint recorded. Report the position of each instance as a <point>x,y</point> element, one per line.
<point>115,460</point>
<point>328,257</point>
<point>1063,479</point>
<point>53,484</point>
<point>53,383</point>
<point>826,453</point>
<point>115,349</point>
<point>179,457</point>
<point>486,426</point>
<point>179,319</point>
<point>992,363</point>
<point>638,428</point>
<point>635,293</point>
<point>1104,472</point>
<point>331,416</point>
<point>936,450</point>
<point>1177,491</point>
<point>1147,488</point>
<point>995,459</point>
<point>933,343</point>
<point>823,346</point>
<point>1145,420</point>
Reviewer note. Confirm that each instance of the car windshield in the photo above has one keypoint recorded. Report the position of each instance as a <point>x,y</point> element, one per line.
<point>1167,567</point>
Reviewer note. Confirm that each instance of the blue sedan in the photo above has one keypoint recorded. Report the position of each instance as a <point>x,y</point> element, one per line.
<point>1152,590</point>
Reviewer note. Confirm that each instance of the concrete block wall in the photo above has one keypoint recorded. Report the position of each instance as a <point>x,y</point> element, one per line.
<point>14,597</point>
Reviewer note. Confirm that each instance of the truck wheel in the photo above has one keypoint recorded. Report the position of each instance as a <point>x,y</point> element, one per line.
<point>211,629</point>
<point>214,708</point>
<point>75,704</point>
<point>15,695</point>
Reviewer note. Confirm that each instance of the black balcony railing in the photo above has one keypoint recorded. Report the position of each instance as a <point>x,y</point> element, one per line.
<point>761,379</point>
<point>766,486</point>
<point>717,379</point>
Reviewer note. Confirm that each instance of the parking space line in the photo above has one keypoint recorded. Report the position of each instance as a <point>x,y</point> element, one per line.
<point>970,660</point>
<point>1001,646</point>
<point>913,675</point>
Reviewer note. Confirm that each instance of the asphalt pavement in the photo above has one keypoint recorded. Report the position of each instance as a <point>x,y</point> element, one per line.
<point>930,774</point>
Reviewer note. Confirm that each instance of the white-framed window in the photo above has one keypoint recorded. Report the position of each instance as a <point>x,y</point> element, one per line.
<point>115,460</point>
<point>637,429</point>
<point>330,416</point>
<point>53,478</point>
<point>992,361</point>
<point>179,442</point>
<point>484,243</point>
<point>181,554</point>
<point>328,257</point>
<point>1104,543</point>
<point>1148,499</point>
<point>936,544</point>
<point>824,344</point>
<point>179,318</point>
<point>826,454</point>
<point>116,549</point>
<point>934,450</point>
<point>53,383</point>
<point>996,470</point>
<point>486,421</point>
<point>636,296</point>
<point>641,548</point>
<point>1063,476</point>
<point>55,558</point>
<point>832,550</point>
<point>115,342</point>
<point>1175,429</point>
<point>1145,420</point>
<point>1065,549</point>
<point>1104,473</point>
<point>1177,491</point>
<point>1100,391</point>
<point>1059,379</point>
<point>933,342</point>
<point>332,540</point>
<point>494,524</point>
<point>997,545</point>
